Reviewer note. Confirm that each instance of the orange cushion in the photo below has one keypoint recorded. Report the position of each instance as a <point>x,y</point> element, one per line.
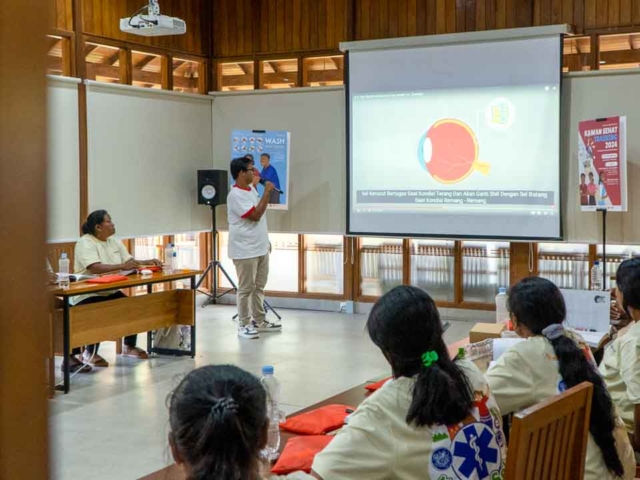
<point>108,279</point>
<point>319,421</point>
<point>372,387</point>
<point>299,452</point>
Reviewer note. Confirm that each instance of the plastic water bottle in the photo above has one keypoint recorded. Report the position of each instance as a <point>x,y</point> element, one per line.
<point>168,258</point>
<point>596,277</point>
<point>502,313</point>
<point>272,386</point>
<point>174,259</point>
<point>63,275</point>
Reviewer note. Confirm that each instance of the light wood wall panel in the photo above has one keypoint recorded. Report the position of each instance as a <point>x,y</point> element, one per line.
<point>62,16</point>
<point>247,27</point>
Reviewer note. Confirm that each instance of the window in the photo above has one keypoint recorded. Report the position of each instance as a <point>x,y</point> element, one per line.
<point>283,272</point>
<point>56,55</point>
<point>279,73</point>
<point>324,265</point>
<point>147,248</point>
<point>236,76</point>
<point>616,254</point>
<point>432,267</point>
<point>576,54</point>
<point>103,63</point>
<point>485,268</point>
<point>146,70</point>
<point>188,246</point>
<point>186,76</point>
<point>565,264</point>
<point>619,51</point>
<point>323,71</point>
<point>380,265</point>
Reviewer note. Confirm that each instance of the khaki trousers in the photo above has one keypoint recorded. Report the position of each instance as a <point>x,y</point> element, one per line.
<point>252,278</point>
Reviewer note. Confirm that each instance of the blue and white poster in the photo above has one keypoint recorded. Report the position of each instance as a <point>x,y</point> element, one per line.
<point>269,151</point>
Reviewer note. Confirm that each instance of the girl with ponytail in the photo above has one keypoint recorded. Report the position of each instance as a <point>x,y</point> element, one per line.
<point>435,419</point>
<point>218,420</point>
<point>620,366</point>
<point>550,361</point>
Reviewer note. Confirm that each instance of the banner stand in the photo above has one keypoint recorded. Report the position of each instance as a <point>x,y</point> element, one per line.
<point>604,248</point>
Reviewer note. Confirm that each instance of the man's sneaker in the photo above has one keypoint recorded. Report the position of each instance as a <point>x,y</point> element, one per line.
<point>267,326</point>
<point>248,331</point>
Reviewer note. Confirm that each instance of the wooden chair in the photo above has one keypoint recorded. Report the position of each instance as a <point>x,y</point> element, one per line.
<point>549,440</point>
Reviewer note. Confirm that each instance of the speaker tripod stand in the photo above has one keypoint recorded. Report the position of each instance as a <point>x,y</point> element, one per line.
<point>212,269</point>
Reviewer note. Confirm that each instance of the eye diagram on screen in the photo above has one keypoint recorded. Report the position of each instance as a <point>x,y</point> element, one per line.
<point>449,152</point>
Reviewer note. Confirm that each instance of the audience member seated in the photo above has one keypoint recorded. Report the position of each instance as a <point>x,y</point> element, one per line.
<point>620,366</point>
<point>424,422</point>
<point>218,422</point>
<point>97,252</point>
<point>551,361</point>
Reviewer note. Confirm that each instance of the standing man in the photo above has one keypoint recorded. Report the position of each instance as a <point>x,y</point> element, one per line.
<point>584,193</point>
<point>249,248</point>
<point>270,174</point>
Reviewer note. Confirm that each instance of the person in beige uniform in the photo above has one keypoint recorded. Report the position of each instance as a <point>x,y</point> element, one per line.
<point>435,420</point>
<point>550,361</point>
<point>97,252</point>
<point>218,425</point>
<point>620,365</point>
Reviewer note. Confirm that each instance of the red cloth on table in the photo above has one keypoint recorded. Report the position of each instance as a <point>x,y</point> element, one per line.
<point>319,421</point>
<point>299,452</point>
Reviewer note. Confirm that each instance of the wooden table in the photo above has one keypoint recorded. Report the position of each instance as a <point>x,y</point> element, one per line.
<point>353,396</point>
<point>98,322</point>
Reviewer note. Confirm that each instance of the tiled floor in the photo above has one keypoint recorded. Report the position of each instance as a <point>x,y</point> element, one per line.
<point>113,424</point>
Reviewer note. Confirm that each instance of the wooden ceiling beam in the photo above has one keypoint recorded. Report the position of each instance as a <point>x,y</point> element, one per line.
<point>620,56</point>
<point>103,70</point>
<point>313,76</point>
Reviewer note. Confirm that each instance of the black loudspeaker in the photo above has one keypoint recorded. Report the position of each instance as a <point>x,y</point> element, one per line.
<point>213,187</point>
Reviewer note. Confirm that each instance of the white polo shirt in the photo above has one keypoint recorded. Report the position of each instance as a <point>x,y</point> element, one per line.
<point>247,238</point>
<point>378,444</point>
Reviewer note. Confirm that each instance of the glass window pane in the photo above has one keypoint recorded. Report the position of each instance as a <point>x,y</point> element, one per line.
<point>188,246</point>
<point>55,62</point>
<point>186,76</point>
<point>103,63</point>
<point>432,267</point>
<point>576,54</point>
<point>485,268</point>
<point>324,263</point>
<point>279,73</point>
<point>234,76</point>
<point>616,254</point>
<point>146,70</point>
<point>565,264</point>
<point>284,255</point>
<point>380,265</point>
<point>146,248</point>
<point>619,51</point>
<point>323,71</point>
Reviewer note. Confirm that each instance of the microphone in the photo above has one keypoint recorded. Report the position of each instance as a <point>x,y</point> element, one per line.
<point>262,181</point>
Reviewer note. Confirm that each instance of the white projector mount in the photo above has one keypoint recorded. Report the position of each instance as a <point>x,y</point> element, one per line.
<point>152,24</point>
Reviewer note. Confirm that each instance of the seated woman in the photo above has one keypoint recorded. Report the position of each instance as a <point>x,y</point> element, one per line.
<point>549,362</point>
<point>218,421</point>
<point>620,365</point>
<point>436,419</point>
<point>98,252</point>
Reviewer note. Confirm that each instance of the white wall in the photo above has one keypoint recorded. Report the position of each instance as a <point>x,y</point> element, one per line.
<point>145,147</point>
<point>315,117</point>
<point>587,97</point>
<point>63,165</point>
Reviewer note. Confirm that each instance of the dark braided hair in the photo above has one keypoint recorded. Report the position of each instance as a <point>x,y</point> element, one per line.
<point>537,303</point>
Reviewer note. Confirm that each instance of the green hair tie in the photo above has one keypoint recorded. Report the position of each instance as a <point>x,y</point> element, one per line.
<point>429,358</point>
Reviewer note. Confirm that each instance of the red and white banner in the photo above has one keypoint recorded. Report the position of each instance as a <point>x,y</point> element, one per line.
<point>602,164</point>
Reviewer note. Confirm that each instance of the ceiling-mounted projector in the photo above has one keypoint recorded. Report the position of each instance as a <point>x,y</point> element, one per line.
<point>152,24</point>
